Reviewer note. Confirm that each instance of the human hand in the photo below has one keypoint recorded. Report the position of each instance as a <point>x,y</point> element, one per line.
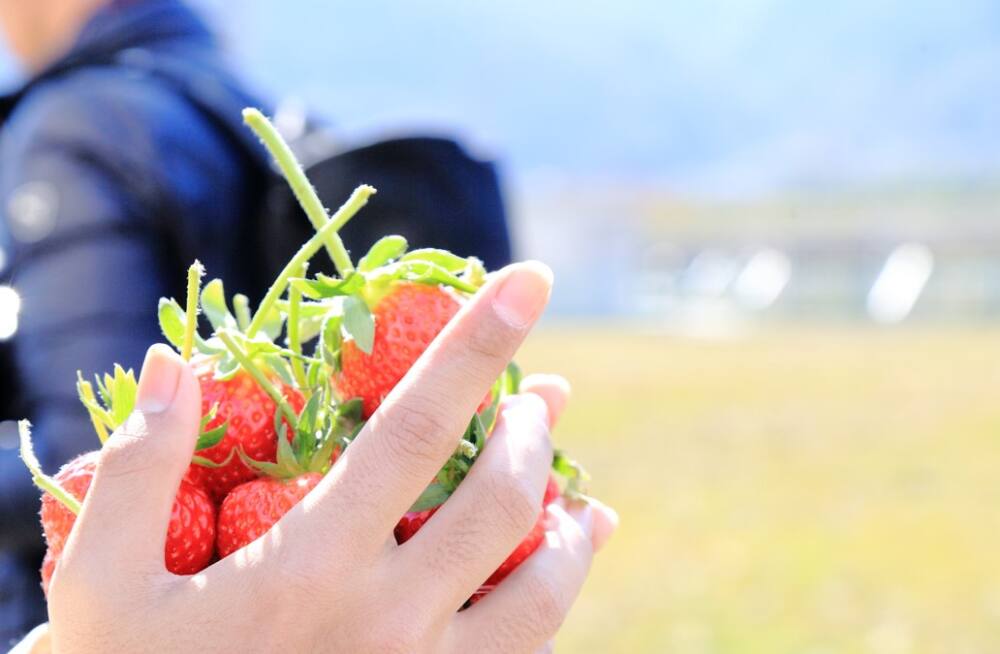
<point>329,576</point>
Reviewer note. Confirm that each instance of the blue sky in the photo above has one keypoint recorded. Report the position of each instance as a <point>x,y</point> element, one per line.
<point>713,97</point>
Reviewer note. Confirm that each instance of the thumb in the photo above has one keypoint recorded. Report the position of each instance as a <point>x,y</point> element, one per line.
<point>124,518</point>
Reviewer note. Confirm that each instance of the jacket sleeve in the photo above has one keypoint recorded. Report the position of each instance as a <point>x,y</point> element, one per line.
<point>80,200</point>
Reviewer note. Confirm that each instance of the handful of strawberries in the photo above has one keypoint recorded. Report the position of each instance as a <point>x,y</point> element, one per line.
<point>285,389</point>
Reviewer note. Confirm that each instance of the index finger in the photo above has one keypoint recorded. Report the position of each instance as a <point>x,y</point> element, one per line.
<point>418,426</point>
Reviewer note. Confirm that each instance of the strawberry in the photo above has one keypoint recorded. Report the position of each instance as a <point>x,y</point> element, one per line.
<point>248,411</point>
<point>190,534</point>
<point>252,508</point>
<point>48,569</point>
<point>407,319</point>
<point>244,381</point>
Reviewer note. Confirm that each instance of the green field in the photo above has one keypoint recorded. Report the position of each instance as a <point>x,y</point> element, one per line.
<point>813,490</point>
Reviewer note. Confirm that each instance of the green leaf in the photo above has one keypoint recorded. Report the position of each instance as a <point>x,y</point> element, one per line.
<point>324,287</point>
<point>512,376</point>
<point>434,495</point>
<point>330,339</point>
<point>226,367</point>
<point>385,250</point>
<point>272,323</point>
<point>208,463</point>
<point>352,409</point>
<point>309,423</point>
<point>311,316</point>
<point>280,366</point>
<point>171,317</point>
<point>314,373</point>
<point>359,323</point>
<point>508,383</point>
<point>573,473</point>
<point>211,437</point>
<point>213,302</point>
<point>442,258</point>
<point>118,392</point>
<point>424,272</point>
<point>241,306</point>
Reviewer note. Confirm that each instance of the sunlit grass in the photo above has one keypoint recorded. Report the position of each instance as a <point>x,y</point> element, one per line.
<point>802,490</point>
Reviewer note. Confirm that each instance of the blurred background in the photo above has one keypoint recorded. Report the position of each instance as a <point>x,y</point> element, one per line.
<point>774,231</point>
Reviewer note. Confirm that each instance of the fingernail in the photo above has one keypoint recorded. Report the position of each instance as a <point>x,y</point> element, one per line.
<point>610,514</point>
<point>524,294</point>
<point>158,380</point>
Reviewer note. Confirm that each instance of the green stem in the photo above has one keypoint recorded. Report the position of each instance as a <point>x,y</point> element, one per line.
<point>297,180</point>
<point>354,203</point>
<point>257,374</point>
<point>294,342</point>
<point>241,305</point>
<point>195,273</point>
<point>42,480</point>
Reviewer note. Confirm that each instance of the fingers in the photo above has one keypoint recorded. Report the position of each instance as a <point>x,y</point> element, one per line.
<point>527,608</point>
<point>124,519</point>
<point>419,424</point>
<point>554,389</point>
<point>605,522</point>
<point>494,508</point>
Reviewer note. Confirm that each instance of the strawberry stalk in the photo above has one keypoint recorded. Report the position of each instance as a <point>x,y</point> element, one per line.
<point>247,364</point>
<point>195,273</point>
<point>299,183</point>
<point>40,479</point>
<point>354,203</point>
<point>294,340</point>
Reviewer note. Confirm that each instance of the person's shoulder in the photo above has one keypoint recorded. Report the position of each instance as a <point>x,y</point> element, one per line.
<point>98,107</point>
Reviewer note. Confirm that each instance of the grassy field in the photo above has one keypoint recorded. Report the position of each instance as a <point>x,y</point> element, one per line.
<point>804,490</point>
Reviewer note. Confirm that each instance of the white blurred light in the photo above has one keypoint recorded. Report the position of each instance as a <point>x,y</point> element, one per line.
<point>900,283</point>
<point>31,211</point>
<point>709,274</point>
<point>10,305</point>
<point>763,279</point>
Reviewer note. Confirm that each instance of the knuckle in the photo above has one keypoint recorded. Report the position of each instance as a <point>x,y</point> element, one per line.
<point>517,503</point>
<point>548,604</point>
<point>491,343</point>
<point>131,450</point>
<point>416,433</point>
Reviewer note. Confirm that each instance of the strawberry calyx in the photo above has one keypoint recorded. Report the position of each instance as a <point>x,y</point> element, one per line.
<point>573,476</point>
<point>320,432</point>
<point>338,308</point>
<point>115,400</point>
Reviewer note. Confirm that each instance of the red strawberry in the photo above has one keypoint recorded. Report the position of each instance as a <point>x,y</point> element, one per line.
<point>48,569</point>
<point>407,319</point>
<point>190,534</point>
<point>252,508</point>
<point>250,413</point>
<point>411,523</point>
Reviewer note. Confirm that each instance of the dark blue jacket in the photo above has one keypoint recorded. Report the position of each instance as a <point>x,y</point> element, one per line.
<point>111,182</point>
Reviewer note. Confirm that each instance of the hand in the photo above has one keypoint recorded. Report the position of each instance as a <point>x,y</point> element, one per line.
<point>329,576</point>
